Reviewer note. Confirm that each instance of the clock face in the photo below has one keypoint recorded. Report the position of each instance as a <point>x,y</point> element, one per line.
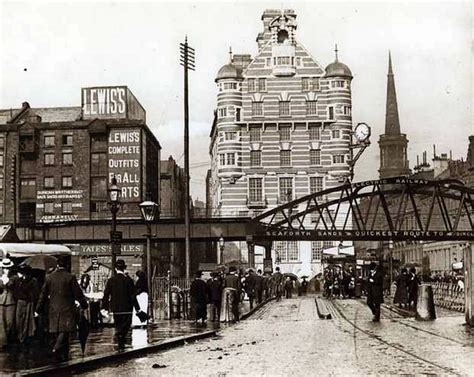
<point>362,132</point>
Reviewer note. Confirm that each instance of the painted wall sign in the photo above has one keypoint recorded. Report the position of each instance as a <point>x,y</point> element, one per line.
<point>124,162</point>
<point>57,218</point>
<point>59,194</point>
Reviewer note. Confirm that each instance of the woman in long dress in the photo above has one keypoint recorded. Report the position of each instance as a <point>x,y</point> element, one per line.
<point>401,293</point>
<point>7,302</point>
<point>141,287</point>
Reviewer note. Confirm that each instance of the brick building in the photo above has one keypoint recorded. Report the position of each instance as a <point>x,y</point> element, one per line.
<point>282,130</point>
<point>56,163</point>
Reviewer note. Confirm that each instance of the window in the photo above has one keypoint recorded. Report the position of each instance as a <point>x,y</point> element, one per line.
<point>257,108</point>
<point>293,252</point>
<point>1,181</point>
<point>284,107</point>
<point>305,84</point>
<point>255,158</point>
<point>28,188</point>
<point>49,208</point>
<point>331,112</point>
<point>49,141</point>
<point>99,163</point>
<point>283,60</point>
<point>230,158</point>
<point>230,85</point>
<point>98,187</point>
<point>99,142</point>
<point>315,157</point>
<point>2,160</point>
<point>315,184</point>
<point>315,83</point>
<point>336,134</point>
<point>268,62</point>
<point>285,157</point>
<point>48,182</point>
<point>222,159</point>
<point>251,85</point>
<point>2,142</point>
<point>49,159</point>
<point>285,133</point>
<point>99,206</point>
<point>255,134</point>
<point>327,244</point>
<point>338,159</point>
<point>286,189</point>
<point>262,85</point>
<point>67,139</point>
<point>231,135</point>
<point>311,108</point>
<point>255,190</point>
<point>314,133</point>
<point>222,112</point>
<point>280,250</point>
<point>316,250</point>
<point>1,207</point>
<point>237,114</point>
<point>298,61</point>
<point>67,158</point>
<point>338,84</point>
<point>346,110</point>
<point>67,207</point>
<point>67,182</point>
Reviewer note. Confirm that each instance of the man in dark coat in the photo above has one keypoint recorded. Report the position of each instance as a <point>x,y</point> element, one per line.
<point>199,292</point>
<point>250,283</point>
<point>120,298</point>
<point>62,289</point>
<point>413,283</point>
<point>232,280</point>
<point>278,280</point>
<point>215,296</point>
<point>259,286</point>
<point>375,290</point>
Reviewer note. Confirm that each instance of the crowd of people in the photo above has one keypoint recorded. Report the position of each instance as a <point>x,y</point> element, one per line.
<point>406,293</point>
<point>339,282</point>
<point>220,297</point>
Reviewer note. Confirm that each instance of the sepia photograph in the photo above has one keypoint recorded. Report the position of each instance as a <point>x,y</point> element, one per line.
<point>236,188</point>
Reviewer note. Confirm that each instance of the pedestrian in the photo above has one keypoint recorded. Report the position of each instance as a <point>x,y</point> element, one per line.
<point>401,292</point>
<point>231,296</point>
<point>375,290</point>
<point>278,279</point>
<point>7,302</point>
<point>288,287</point>
<point>413,283</point>
<point>215,296</point>
<point>259,286</point>
<point>267,285</point>
<point>141,290</point>
<point>250,285</point>
<point>26,293</point>
<point>199,292</point>
<point>61,289</point>
<point>304,286</point>
<point>120,299</point>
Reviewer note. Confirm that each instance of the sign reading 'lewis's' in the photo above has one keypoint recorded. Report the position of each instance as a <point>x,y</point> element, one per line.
<point>104,102</point>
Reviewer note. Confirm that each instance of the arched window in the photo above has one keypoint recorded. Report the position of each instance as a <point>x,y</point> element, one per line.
<point>282,36</point>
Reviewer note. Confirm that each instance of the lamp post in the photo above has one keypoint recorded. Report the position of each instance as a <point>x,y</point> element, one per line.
<point>221,249</point>
<point>148,211</point>
<point>114,206</point>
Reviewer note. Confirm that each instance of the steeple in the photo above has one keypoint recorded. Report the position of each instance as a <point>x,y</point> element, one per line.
<point>392,121</point>
<point>393,144</point>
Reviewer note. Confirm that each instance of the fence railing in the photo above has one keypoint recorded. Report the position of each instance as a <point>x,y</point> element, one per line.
<point>163,288</point>
<point>449,296</point>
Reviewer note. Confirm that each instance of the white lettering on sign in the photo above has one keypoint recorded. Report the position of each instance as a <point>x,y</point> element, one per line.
<point>124,162</point>
<point>104,101</point>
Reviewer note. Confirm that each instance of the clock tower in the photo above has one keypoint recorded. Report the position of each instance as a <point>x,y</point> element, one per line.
<point>393,144</point>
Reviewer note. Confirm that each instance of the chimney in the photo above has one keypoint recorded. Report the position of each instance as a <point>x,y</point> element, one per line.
<point>434,151</point>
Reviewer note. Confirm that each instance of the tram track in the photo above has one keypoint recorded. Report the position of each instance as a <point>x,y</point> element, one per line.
<point>353,323</point>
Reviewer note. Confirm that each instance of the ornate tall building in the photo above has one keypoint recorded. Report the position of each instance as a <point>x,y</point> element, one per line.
<point>282,130</point>
<point>393,144</point>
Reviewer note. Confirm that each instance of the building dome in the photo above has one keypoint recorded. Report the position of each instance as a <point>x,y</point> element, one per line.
<point>229,71</point>
<point>338,69</point>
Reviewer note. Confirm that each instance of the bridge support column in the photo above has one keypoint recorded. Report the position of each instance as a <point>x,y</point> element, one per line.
<point>469,283</point>
<point>251,254</point>
<point>267,261</point>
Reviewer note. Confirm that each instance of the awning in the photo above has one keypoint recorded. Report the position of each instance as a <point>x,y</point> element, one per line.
<point>29,249</point>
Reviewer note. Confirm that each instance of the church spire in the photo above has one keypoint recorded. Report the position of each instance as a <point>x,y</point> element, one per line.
<point>392,121</point>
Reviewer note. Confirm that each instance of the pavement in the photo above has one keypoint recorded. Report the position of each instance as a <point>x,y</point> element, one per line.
<point>100,345</point>
<point>288,338</point>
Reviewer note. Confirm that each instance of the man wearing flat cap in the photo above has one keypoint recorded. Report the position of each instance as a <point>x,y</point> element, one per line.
<point>120,298</point>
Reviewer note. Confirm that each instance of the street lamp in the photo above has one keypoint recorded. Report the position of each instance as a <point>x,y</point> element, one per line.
<point>221,248</point>
<point>148,211</point>
<point>114,205</point>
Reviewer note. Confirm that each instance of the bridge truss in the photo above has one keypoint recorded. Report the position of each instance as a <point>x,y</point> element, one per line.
<point>395,209</point>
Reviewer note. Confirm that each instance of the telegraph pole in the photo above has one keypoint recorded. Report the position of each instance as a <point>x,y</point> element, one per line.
<point>187,61</point>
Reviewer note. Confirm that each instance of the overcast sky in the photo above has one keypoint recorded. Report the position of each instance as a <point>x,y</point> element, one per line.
<point>66,46</point>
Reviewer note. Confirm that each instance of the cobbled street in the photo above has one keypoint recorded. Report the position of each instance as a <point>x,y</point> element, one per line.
<point>288,338</point>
